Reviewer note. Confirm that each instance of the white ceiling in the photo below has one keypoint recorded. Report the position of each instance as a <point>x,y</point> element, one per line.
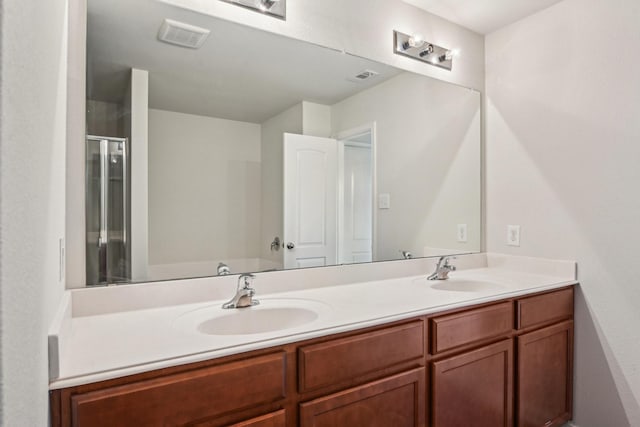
<point>240,73</point>
<point>482,16</point>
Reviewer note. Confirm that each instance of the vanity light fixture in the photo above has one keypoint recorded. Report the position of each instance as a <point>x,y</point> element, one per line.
<point>267,4</point>
<point>275,8</point>
<point>414,46</point>
<point>415,40</point>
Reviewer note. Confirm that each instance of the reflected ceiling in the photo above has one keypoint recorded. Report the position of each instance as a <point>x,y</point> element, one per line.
<point>206,81</point>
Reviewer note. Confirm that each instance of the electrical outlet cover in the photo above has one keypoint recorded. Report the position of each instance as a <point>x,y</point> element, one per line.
<point>513,235</point>
<point>462,233</point>
<point>384,201</point>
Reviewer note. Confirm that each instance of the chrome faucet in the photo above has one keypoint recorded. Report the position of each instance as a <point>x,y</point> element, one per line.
<point>244,293</point>
<point>442,269</point>
<point>406,254</point>
<point>223,269</point>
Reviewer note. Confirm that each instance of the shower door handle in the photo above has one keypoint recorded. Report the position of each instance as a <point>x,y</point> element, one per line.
<point>290,245</point>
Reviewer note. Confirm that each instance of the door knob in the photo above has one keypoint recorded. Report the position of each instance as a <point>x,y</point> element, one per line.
<point>290,245</point>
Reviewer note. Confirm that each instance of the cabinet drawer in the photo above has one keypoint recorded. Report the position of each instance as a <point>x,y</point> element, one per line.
<point>545,308</point>
<point>186,397</point>
<point>340,360</point>
<point>458,329</point>
<point>274,419</point>
<point>395,401</point>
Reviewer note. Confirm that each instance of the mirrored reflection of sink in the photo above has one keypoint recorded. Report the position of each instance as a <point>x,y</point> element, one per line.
<point>270,316</point>
<point>456,285</point>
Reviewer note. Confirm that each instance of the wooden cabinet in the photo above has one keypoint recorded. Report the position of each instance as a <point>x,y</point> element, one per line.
<point>473,383</point>
<point>340,360</point>
<point>504,363</point>
<point>182,398</point>
<point>275,419</point>
<point>397,401</point>
<point>540,310</point>
<point>474,388</point>
<point>463,328</point>
<point>545,366</point>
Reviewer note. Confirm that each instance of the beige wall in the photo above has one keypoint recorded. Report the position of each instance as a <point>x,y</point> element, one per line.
<point>204,188</point>
<point>33,82</point>
<point>563,102</point>
<point>427,151</point>
<point>316,119</point>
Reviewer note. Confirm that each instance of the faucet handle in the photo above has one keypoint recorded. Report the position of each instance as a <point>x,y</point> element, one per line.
<point>245,280</point>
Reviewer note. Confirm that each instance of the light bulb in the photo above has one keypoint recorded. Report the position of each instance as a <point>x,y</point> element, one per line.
<point>267,4</point>
<point>416,40</point>
<point>427,51</point>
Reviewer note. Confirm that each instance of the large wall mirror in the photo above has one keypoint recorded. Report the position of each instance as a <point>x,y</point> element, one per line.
<point>256,152</point>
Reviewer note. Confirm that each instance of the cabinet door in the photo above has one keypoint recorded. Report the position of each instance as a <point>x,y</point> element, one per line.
<point>545,371</point>
<point>396,401</point>
<point>274,419</point>
<point>474,388</point>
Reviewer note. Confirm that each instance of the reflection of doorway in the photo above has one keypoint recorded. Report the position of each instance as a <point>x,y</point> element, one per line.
<point>328,199</point>
<point>355,195</point>
<point>310,186</point>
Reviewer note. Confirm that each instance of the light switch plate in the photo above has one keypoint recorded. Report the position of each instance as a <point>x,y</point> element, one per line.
<point>384,201</point>
<point>61,259</point>
<point>462,233</point>
<point>513,235</point>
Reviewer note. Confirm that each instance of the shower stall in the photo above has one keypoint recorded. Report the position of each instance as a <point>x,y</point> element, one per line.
<point>107,210</point>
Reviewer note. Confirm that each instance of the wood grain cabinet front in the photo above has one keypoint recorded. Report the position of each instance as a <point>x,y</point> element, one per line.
<point>464,328</point>
<point>339,360</point>
<point>186,398</point>
<point>474,388</point>
<point>550,307</point>
<point>397,401</point>
<point>274,419</point>
<point>545,367</point>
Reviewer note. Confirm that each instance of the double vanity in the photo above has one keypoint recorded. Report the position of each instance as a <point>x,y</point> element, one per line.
<point>490,346</point>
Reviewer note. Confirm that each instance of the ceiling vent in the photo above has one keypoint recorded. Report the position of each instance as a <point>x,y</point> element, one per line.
<point>182,34</point>
<point>363,76</point>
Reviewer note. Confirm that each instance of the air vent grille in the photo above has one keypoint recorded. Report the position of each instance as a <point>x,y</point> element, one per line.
<point>182,34</point>
<point>363,76</point>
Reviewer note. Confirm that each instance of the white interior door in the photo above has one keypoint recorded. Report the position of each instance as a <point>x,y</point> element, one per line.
<point>355,204</point>
<point>310,201</point>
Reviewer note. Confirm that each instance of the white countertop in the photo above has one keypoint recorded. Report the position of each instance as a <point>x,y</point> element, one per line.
<point>94,347</point>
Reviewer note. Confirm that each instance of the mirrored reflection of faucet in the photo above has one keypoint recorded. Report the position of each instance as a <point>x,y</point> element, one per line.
<point>244,293</point>
<point>406,254</point>
<point>223,269</point>
<point>442,269</point>
<point>275,245</point>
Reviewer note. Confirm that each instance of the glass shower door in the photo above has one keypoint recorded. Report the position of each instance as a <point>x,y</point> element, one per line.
<point>107,210</point>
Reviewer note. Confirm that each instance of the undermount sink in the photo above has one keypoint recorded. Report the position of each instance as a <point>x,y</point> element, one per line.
<point>269,316</point>
<point>462,285</point>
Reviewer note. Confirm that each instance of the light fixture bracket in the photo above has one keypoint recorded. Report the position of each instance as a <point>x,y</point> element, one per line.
<point>275,8</point>
<point>428,53</point>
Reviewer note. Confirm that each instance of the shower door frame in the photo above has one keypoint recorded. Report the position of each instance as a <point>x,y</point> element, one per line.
<point>103,234</point>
